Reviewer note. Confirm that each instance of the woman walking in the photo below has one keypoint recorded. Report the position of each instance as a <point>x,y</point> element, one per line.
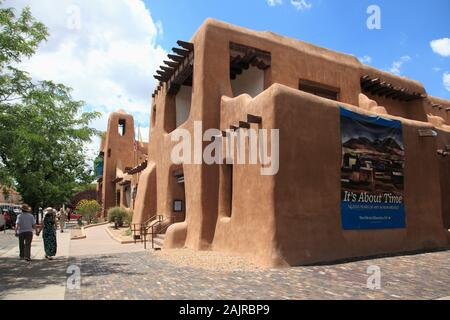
<point>49,233</point>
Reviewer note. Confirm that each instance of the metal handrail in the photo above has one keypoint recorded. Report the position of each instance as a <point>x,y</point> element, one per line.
<point>143,227</point>
<point>154,225</point>
<point>172,220</point>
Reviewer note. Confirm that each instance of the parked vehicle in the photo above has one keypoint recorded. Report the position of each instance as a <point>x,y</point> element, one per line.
<point>75,216</point>
<point>10,218</point>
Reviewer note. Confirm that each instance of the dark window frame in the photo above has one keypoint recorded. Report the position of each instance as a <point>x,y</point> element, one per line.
<point>319,89</point>
<point>122,124</point>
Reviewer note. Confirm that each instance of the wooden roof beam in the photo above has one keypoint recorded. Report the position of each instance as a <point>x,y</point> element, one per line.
<point>186,45</point>
<point>167,69</point>
<point>371,83</point>
<point>175,57</point>
<point>162,73</point>
<point>172,64</point>
<point>181,52</point>
<point>377,88</point>
<point>160,78</point>
<point>243,124</point>
<point>254,119</point>
<point>383,91</point>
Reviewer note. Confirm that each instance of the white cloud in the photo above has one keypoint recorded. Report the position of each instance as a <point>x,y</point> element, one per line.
<point>397,65</point>
<point>441,46</point>
<point>365,59</point>
<point>105,50</point>
<point>301,4</point>
<point>274,3</point>
<point>159,27</point>
<point>446,80</point>
<point>436,69</point>
<point>145,131</point>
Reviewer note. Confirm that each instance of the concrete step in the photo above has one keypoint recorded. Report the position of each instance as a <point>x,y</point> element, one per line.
<point>158,241</point>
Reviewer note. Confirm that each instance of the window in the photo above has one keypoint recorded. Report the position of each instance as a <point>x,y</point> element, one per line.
<point>248,69</point>
<point>226,194</point>
<point>251,81</point>
<point>122,127</point>
<point>153,116</point>
<point>183,104</point>
<point>319,89</point>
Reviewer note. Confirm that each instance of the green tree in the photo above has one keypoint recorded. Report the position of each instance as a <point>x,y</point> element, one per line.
<point>42,128</point>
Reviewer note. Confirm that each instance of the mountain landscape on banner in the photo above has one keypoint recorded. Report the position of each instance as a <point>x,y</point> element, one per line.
<point>363,144</point>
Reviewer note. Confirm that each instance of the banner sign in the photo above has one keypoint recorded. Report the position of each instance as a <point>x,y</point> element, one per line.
<point>373,161</point>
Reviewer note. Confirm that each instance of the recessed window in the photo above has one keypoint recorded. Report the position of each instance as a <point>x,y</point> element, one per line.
<point>248,69</point>
<point>250,81</point>
<point>319,89</point>
<point>153,116</point>
<point>183,104</point>
<point>122,127</point>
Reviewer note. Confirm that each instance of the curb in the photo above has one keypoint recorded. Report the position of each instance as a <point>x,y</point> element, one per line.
<point>94,225</point>
<point>83,233</point>
<point>118,239</point>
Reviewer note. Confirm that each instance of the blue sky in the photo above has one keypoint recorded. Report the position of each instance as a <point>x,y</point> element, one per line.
<point>407,28</point>
<point>108,51</point>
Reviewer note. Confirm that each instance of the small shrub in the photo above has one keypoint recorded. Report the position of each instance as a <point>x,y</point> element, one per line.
<point>117,213</point>
<point>129,217</point>
<point>88,209</point>
<point>127,232</point>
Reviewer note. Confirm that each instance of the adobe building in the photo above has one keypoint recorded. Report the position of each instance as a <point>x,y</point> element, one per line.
<point>122,158</point>
<point>9,198</point>
<point>347,131</point>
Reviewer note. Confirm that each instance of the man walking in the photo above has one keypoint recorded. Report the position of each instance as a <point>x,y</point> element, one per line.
<point>24,230</point>
<point>62,219</point>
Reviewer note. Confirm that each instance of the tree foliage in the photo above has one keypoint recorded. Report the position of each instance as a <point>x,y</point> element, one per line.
<point>42,128</point>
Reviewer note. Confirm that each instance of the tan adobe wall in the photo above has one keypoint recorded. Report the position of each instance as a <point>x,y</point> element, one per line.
<point>294,217</point>
<point>118,154</point>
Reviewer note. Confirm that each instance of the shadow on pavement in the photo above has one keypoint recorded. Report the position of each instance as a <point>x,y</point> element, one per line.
<point>103,265</point>
<point>18,275</point>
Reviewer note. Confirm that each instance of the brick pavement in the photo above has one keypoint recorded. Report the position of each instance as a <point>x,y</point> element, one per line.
<point>143,275</point>
<point>39,279</point>
<point>113,271</point>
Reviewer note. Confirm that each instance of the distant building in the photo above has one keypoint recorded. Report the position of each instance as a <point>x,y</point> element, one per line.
<point>9,198</point>
<point>120,161</point>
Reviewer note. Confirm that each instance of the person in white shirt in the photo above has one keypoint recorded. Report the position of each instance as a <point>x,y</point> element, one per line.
<point>25,224</point>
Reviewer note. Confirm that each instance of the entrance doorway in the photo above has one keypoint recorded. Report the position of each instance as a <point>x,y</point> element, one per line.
<point>178,195</point>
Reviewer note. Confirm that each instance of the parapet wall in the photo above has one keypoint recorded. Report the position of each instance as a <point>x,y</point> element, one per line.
<point>294,217</point>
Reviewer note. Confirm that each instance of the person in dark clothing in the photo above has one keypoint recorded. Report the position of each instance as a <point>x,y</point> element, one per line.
<point>49,233</point>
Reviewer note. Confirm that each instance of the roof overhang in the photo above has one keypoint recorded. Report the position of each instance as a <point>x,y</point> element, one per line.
<point>376,86</point>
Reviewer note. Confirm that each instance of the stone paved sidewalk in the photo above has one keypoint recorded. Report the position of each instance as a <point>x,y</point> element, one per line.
<point>113,271</point>
<point>98,242</point>
<point>39,279</point>
<point>143,275</point>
